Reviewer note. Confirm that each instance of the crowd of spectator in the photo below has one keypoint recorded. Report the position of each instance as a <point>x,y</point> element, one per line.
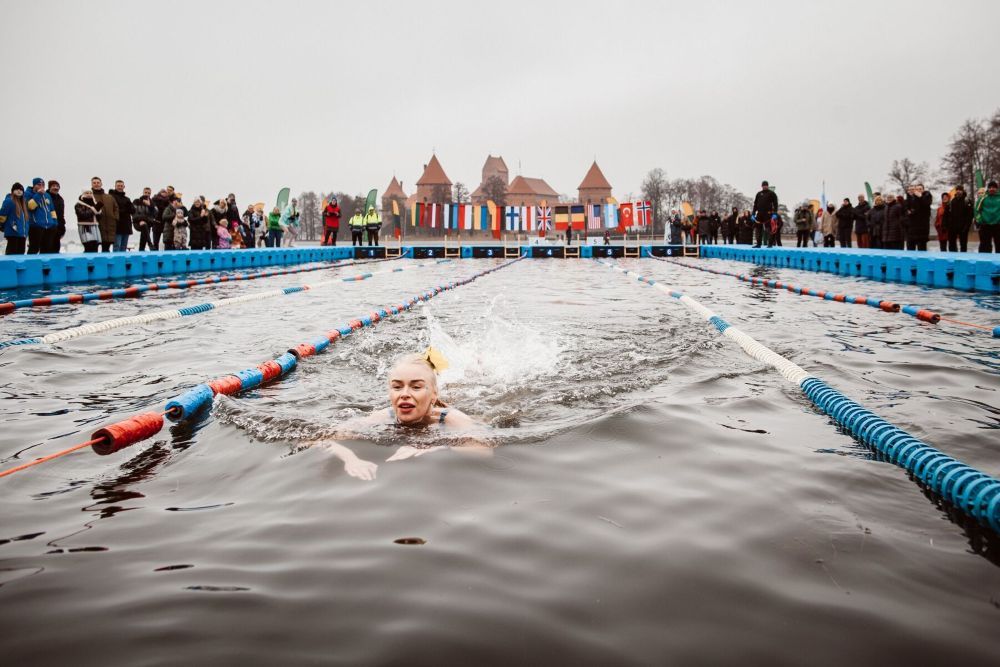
<point>34,221</point>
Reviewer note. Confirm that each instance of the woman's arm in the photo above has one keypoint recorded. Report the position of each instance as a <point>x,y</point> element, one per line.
<point>354,466</point>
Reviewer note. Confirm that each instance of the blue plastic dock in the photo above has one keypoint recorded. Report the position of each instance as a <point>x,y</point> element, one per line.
<point>971,272</point>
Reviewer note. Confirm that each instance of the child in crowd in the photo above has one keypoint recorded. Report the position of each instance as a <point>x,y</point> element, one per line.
<point>180,230</point>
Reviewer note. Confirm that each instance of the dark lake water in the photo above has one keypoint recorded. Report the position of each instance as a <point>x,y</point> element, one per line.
<point>655,496</point>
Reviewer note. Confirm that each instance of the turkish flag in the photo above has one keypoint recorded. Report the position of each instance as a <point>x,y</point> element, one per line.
<point>625,218</point>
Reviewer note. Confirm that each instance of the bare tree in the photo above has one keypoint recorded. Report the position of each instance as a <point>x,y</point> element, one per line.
<point>460,193</point>
<point>440,194</point>
<point>906,173</point>
<point>310,218</point>
<point>654,189</point>
<point>496,190</point>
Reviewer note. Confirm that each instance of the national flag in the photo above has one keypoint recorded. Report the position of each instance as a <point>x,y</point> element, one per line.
<point>625,216</point>
<point>512,219</point>
<point>561,217</point>
<point>578,216</point>
<point>610,216</point>
<point>446,216</point>
<point>543,219</point>
<point>643,213</point>
<point>467,216</point>
<point>415,214</point>
<point>593,216</point>
<point>527,218</point>
<point>397,221</point>
<point>482,222</point>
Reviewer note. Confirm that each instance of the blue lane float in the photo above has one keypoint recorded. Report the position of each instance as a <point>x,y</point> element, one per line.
<point>974,493</point>
<point>970,272</point>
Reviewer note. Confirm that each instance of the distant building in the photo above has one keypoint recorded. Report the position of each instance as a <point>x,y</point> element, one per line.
<point>394,191</point>
<point>433,182</point>
<point>524,191</point>
<point>494,166</point>
<point>594,189</point>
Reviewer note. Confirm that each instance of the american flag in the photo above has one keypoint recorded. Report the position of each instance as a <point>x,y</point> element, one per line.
<point>593,216</point>
<point>543,216</point>
<point>643,213</point>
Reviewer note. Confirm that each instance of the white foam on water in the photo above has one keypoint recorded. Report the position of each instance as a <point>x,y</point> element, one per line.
<point>495,352</point>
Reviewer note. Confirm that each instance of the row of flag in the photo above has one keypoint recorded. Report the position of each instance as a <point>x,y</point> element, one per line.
<point>532,218</point>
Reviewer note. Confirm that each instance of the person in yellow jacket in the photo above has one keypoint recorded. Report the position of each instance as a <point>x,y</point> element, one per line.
<point>373,223</point>
<point>357,224</point>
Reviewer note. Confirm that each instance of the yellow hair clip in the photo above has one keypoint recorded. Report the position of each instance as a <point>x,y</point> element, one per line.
<point>435,359</point>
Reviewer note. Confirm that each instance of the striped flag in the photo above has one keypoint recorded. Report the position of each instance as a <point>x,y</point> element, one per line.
<point>561,218</point>
<point>467,216</point>
<point>594,216</point>
<point>610,217</point>
<point>578,216</point>
<point>625,217</point>
<point>528,218</point>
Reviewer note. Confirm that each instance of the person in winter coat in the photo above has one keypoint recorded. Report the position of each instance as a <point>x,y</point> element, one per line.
<point>109,214</point>
<point>918,217</point>
<point>180,228</point>
<point>373,223</point>
<point>828,226</point>
<point>744,229</point>
<point>729,226</point>
<point>988,219</point>
<point>123,228</point>
<point>168,217</point>
<point>803,225</point>
<point>43,232</point>
<point>161,201</point>
<point>876,222</point>
<point>704,222</point>
<point>219,214</point>
<point>895,216</point>
<point>676,230</point>
<point>357,223</point>
<point>60,205</point>
<point>15,220</point>
<point>957,221</point>
<point>143,217</point>
<point>275,230</point>
<point>845,223</point>
<point>331,222</point>
<point>939,228</point>
<point>861,222</point>
<point>765,204</point>
<point>199,226</point>
<point>88,215</point>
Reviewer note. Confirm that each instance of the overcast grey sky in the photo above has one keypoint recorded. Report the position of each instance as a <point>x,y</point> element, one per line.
<point>214,97</point>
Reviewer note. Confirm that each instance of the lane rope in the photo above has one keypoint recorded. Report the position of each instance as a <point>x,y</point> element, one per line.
<point>127,432</point>
<point>187,311</point>
<point>973,492</point>
<point>922,314</point>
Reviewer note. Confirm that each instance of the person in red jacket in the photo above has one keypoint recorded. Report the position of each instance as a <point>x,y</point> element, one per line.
<point>942,231</point>
<point>331,222</point>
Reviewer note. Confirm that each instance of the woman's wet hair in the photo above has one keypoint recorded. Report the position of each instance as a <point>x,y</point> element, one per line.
<point>419,360</point>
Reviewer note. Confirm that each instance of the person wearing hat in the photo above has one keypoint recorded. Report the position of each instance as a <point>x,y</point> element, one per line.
<point>765,204</point>
<point>373,223</point>
<point>331,222</point>
<point>15,219</point>
<point>60,205</point>
<point>43,233</point>
<point>357,224</point>
<point>988,219</point>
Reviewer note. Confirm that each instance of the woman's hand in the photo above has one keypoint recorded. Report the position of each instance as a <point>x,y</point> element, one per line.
<point>360,468</point>
<point>406,452</point>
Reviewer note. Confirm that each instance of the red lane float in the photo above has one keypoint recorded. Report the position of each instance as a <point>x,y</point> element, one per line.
<point>128,432</point>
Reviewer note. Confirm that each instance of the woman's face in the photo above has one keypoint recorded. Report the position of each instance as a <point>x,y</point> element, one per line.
<point>412,392</point>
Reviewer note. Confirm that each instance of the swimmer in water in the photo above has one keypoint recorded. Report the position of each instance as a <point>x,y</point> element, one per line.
<point>413,403</point>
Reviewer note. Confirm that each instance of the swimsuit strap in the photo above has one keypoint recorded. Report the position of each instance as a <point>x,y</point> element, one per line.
<point>444,413</point>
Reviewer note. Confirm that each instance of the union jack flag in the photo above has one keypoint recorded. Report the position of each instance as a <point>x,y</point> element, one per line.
<point>543,216</point>
<point>643,213</point>
<point>594,216</point>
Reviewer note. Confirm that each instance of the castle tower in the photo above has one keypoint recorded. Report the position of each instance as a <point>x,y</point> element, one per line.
<point>433,179</point>
<point>594,189</point>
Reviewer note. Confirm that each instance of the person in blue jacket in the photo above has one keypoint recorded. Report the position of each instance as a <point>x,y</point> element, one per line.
<point>15,220</point>
<point>43,234</point>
